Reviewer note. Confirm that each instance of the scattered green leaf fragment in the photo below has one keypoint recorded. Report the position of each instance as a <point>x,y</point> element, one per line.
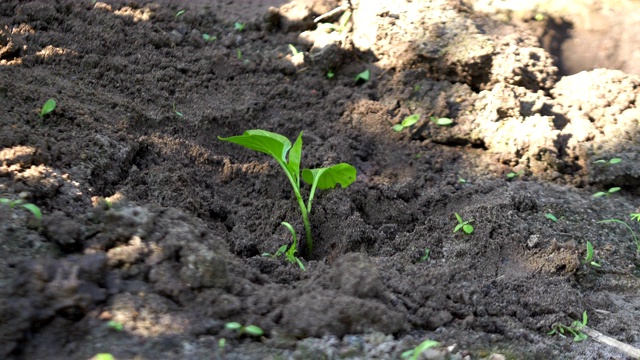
<point>414,354</point>
<point>180,13</point>
<point>48,107</point>
<point>426,256</point>
<point>407,122</point>
<point>551,217</point>
<point>115,325</point>
<point>466,226</point>
<point>607,193</point>
<point>364,76</point>
<point>633,233</point>
<point>239,26</point>
<point>441,121</point>
<point>330,74</point>
<point>279,147</point>
<point>210,38</point>
<point>103,356</point>
<point>574,329</point>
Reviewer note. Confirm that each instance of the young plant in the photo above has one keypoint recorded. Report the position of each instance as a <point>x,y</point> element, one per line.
<point>551,217</point>
<point>288,157</point>
<point>466,226</point>
<point>48,107</point>
<point>364,76</point>
<point>609,162</point>
<point>414,354</point>
<point>513,175</point>
<point>290,254</point>
<point>293,49</point>
<point>175,111</point>
<point>633,233</point>
<point>180,13</point>
<point>103,356</point>
<point>426,256</point>
<point>239,26</point>
<point>588,259</point>
<point>115,326</point>
<point>461,180</point>
<point>606,193</point>
<point>34,210</point>
<point>342,23</point>
<point>209,38</point>
<point>574,329</point>
<point>407,122</point>
<point>441,121</point>
<point>252,330</point>
<point>331,74</point>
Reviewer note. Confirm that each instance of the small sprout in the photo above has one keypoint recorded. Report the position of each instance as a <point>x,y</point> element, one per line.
<point>291,253</point>
<point>331,74</point>
<point>461,180</point>
<point>633,233</point>
<point>414,354</point>
<point>466,226</point>
<point>606,193</point>
<point>588,259</point>
<point>609,162</point>
<point>252,330</point>
<point>364,76</point>
<point>239,26</point>
<point>574,329</point>
<point>441,121</point>
<point>239,54</point>
<point>115,325</point>
<point>180,13</point>
<point>635,216</point>
<point>293,49</point>
<point>426,256</point>
<point>48,107</point>
<point>211,38</point>
<point>103,356</point>
<point>280,252</point>
<point>513,175</point>
<point>551,217</point>
<point>221,343</point>
<point>176,111</point>
<point>33,209</point>
<point>407,122</point>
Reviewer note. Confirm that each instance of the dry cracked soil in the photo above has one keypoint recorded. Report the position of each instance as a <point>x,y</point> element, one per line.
<point>152,230</point>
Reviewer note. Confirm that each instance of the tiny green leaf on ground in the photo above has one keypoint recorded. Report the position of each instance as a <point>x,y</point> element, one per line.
<point>239,26</point>
<point>210,38</point>
<point>48,107</point>
<point>441,121</point>
<point>180,13</point>
<point>407,122</point>
<point>551,217</point>
<point>414,354</point>
<point>364,76</point>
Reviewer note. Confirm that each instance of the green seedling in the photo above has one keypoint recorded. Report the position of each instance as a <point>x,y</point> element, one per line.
<point>426,256</point>
<point>364,76</point>
<point>635,216</point>
<point>414,354</point>
<point>34,210</point>
<point>609,162</point>
<point>551,217</point>
<point>175,111</point>
<point>239,54</point>
<point>574,329</point>
<point>103,356</point>
<point>180,13</point>
<point>633,233</point>
<point>461,180</point>
<point>466,226</point>
<point>441,121</point>
<point>606,193</point>
<point>513,175</point>
<point>209,38</point>
<point>221,343</point>
<point>48,107</point>
<point>293,49</point>
<point>331,74</point>
<point>417,88</point>
<point>278,146</point>
<point>115,325</point>
<point>252,330</point>
<point>342,24</point>
<point>588,259</point>
<point>407,122</point>
<point>289,251</point>
<point>239,26</point>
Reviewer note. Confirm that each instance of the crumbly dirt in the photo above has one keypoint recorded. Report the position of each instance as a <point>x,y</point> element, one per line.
<point>153,224</point>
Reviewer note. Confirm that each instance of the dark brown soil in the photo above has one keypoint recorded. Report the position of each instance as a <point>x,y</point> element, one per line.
<point>152,223</point>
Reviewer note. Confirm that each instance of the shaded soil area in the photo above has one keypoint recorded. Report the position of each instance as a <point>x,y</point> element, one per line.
<point>153,230</point>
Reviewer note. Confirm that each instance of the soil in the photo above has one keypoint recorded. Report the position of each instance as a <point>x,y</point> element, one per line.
<point>153,230</point>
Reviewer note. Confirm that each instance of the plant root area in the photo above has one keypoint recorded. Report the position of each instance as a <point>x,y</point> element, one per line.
<point>153,231</point>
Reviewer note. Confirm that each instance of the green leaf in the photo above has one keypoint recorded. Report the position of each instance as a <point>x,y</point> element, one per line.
<point>48,107</point>
<point>589,253</point>
<point>254,330</point>
<point>410,120</point>
<point>294,159</point>
<point>599,194</point>
<point>263,141</point>
<point>458,227</point>
<point>233,325</point>
<point>427,344</point>
<point>364,76</point>
<point>222,342</point>
<point>441,121</point>
<point>551,217</point>
<point>115,325</point>
<point>458,217</point>
<point>327,178</point>
<point>239,26</point>
<point>613,189</point>
<point>397,127</point>
<point>293,49</point>
<point>104,356</point>
<point>281,250</point>
<point>584,318</point>
<point>180,13</point>
<point>615,160</point>
<point>467,229</point>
